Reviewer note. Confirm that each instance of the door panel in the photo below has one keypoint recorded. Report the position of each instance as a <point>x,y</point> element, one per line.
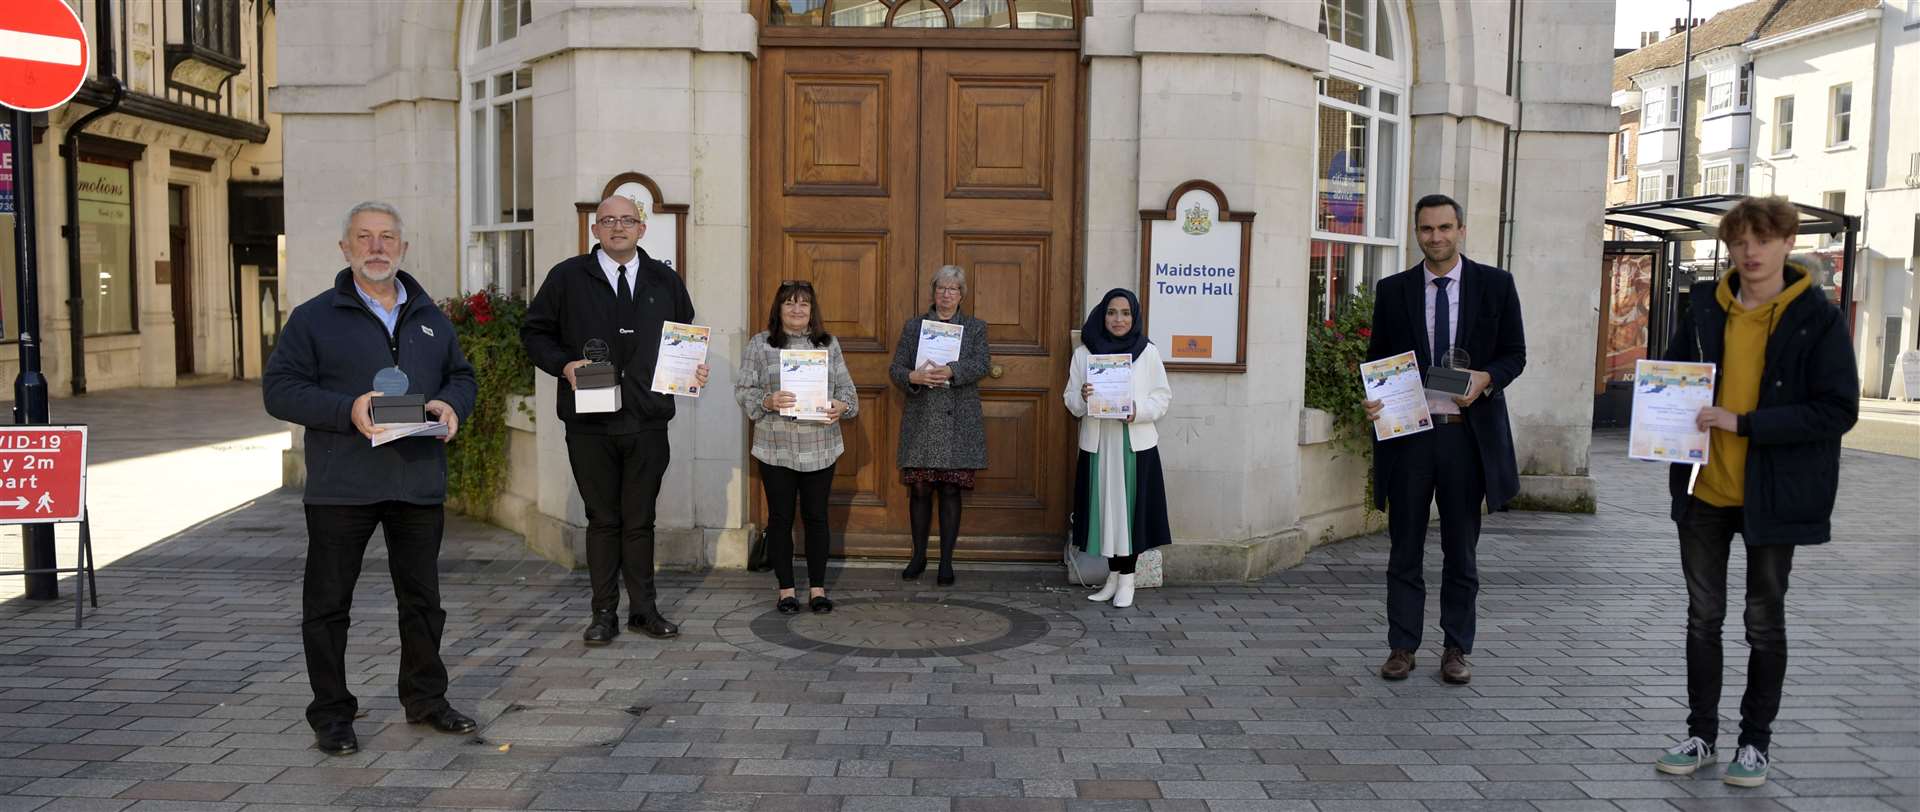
<point>876,167</point>
<point>996,167</point>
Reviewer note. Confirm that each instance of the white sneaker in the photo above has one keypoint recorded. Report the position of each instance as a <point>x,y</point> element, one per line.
<point>1107,590</point>
<point>1123,596</point>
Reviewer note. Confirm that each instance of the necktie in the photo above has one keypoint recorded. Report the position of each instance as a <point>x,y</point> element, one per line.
<point>1442,334</point>
<point>625,292</point>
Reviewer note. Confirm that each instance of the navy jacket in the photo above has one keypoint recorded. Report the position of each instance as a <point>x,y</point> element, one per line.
<point>1809,397</point>
<point>1491,333</point>
<point>575,304</point>
<point>328,353</point>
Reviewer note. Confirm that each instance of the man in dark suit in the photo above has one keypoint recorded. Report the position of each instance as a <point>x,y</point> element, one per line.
<point>1446,303</point>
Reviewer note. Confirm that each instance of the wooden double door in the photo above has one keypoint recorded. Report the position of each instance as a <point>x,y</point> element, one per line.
<point>873,168</point>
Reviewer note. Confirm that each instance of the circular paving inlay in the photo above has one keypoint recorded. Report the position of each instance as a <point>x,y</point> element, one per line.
<point>933,630</point>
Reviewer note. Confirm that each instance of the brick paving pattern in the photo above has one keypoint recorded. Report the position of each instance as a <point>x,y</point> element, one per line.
<point>185,689</point>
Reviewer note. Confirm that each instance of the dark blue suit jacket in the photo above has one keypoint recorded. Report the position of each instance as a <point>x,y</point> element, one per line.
<point>1491,333</point>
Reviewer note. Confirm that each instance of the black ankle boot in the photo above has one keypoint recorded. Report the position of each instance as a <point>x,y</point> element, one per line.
<point>914,568</point>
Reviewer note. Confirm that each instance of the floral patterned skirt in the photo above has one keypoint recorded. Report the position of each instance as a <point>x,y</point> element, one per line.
<point>961,477</point>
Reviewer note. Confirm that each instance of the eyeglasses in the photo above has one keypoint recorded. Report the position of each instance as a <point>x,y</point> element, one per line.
<point>796,283</point>
<point>948,289</point>
<point>622,222</point>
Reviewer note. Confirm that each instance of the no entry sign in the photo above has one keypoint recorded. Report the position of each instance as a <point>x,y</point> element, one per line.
<point>43,474</point>
<point>43,54</point>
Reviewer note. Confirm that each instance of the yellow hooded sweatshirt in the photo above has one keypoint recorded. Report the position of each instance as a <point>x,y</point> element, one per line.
<point>1723,481</point>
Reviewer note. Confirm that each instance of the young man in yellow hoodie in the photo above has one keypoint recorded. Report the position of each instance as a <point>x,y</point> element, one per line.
<point>1786,390</point>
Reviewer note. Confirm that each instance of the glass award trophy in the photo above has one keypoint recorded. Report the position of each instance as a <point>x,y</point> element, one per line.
<point>1450,375</point>
<point>393,404</point>
<point>596,384</point>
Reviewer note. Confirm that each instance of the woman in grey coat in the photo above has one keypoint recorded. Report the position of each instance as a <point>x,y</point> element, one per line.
<point>943,437</point>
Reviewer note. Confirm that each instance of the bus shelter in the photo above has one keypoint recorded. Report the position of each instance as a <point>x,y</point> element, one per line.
<point>1644,283</point>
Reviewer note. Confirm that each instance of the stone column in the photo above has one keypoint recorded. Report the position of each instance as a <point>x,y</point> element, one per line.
<point>1215,92</point>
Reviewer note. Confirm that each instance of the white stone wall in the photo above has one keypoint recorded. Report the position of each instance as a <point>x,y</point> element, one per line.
<point>1893,200</point>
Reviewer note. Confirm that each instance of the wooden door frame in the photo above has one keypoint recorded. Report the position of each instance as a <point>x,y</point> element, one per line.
<point>862,544</point>
<point>180,277</point>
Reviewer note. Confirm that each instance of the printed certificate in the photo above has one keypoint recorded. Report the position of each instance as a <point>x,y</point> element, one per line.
<point>939,343</point>
<point>1395,382</point>
<point>805,373</point>
<point>683,348</point>
<point>1112,379</point>
<point>1667,396</point>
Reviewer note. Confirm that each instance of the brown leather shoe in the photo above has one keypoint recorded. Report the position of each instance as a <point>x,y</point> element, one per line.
<point>1453,667</point>
<point>1398,665</point>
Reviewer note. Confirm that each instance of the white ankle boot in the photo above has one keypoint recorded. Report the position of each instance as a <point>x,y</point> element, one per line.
<point>1106,591</point>
<point>1123,596</point>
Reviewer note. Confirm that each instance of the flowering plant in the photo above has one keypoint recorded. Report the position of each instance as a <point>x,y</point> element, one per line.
<point>1335,348</point>
<point>488,325</point>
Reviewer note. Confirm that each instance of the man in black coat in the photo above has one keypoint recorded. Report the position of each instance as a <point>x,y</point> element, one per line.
<point>1447,306</point>
<point>320,376</point>
<point>618,295</point>
<point>1785,390</point>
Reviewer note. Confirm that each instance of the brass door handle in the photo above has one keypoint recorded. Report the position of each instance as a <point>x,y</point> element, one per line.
<point>996,371</point>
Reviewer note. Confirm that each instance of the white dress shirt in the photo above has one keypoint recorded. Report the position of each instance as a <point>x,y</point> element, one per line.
<point>612,270</point>
<point>1443,404</point>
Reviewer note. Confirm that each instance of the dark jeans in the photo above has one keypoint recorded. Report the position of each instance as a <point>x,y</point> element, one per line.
<point>336,544</point>
<point>1122,564</point>
<point>1706,542</point>
<point>619,479</point>
<point>812,487</point>
<point>1443,466</point>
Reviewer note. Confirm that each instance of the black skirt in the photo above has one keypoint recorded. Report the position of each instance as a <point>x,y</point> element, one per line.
<point>1150,528</point>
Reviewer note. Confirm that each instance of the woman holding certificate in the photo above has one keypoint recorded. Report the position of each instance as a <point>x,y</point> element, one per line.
<point>795,445</point>
<point>938,362</point>
<point>1117,386</point>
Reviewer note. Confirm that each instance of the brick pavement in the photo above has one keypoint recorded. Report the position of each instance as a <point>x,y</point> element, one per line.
<point>186,687</point>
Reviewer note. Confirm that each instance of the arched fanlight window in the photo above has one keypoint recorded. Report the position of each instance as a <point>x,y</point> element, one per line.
<point>964,14</point>
<point>1360,187</point>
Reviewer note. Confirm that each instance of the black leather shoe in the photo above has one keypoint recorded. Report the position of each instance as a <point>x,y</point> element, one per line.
<point>337,739</point>
<point>605,627</point>
<point>788,606</point>
<point>447,720</point>
<point>820,604</point>
<point>945,578</point>
<point>654,626</point>
<point>913,570</point>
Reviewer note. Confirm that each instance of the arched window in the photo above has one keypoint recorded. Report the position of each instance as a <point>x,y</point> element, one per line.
<point>1360,188</point>
<point>496,134</point>
<point>1015,14</point>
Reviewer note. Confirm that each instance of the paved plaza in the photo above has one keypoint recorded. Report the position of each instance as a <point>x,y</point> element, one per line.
<point>1006,693</point>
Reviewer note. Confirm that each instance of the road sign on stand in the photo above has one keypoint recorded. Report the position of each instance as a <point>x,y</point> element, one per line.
<point>43,480</point>
<point>43,474</point>
<point>43,54</point>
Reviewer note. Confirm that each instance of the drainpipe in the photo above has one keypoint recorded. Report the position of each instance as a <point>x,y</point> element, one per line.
<point>70,160</point>
<point>1510,138</point>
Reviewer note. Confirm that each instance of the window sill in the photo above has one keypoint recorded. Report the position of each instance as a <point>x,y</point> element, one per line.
<point>1780,156</point>
<point>1841,147</point>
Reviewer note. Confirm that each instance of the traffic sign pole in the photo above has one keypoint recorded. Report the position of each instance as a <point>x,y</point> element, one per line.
<point>30,388</point>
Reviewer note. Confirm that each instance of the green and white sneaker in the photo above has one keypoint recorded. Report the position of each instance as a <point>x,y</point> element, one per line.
<point>1687,757</point>
<point>1749,767</point>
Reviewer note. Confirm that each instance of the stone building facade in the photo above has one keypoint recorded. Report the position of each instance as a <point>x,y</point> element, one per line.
<point>861,144</point>
<point>177,204</point>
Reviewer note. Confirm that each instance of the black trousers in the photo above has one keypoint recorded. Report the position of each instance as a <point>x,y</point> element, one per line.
<point>619,479</point>
<point>1706,543</point>
<point>1439,466</point>
<point>336,544</point>
<point>812,487</point>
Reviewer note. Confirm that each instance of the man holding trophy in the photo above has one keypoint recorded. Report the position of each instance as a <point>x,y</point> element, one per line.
<point>596,325</point>
<point>372,351</point>
<point>1462,321</point>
